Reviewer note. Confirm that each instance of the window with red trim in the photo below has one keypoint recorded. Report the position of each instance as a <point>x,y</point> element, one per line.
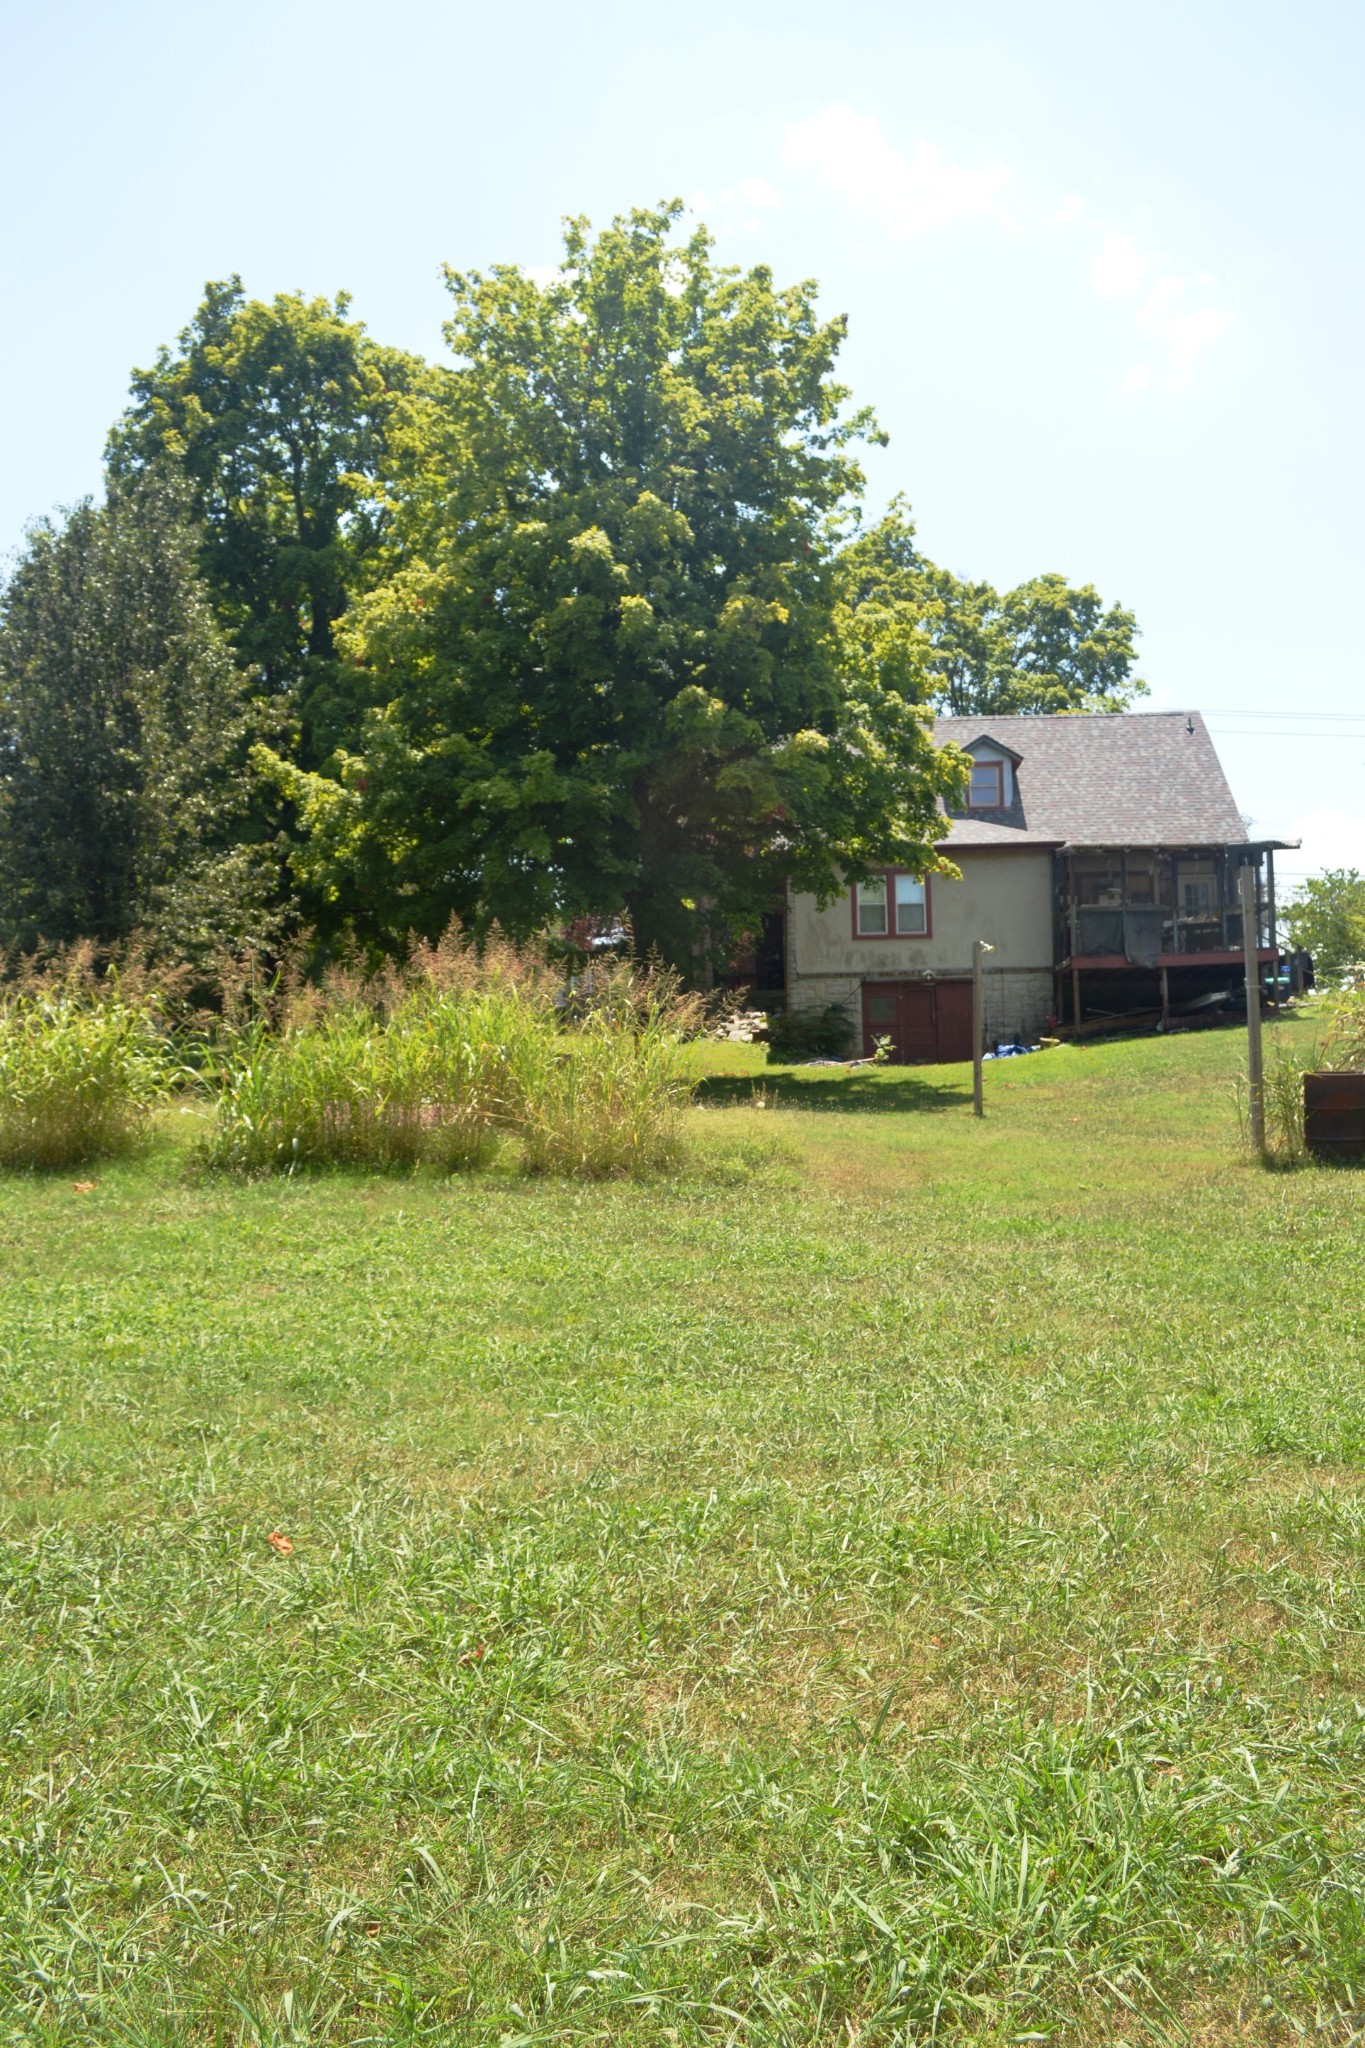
<point>891,906</point>
<point>987,792</point>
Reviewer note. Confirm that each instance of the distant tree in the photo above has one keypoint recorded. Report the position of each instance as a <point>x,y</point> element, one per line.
<point>282,419</point>
<point>124,729</point>
<point>1044,646</point>
<point>610,660</point>
<point>1325,916</point>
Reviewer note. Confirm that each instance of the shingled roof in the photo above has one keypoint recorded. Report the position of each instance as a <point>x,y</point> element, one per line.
<point>1115,778</point>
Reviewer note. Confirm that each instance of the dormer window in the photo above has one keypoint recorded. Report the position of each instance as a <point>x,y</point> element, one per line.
<point>987,791</point>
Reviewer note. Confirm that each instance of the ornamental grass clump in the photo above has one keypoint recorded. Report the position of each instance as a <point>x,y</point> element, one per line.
<point>329,1092</point>
<point>443,1064</point>
<point>81,1072</point>
<point>609,1099</point>
<point>434,1080</point>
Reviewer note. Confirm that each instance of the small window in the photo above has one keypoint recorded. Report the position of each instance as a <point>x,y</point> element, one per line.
<point>912,910</point>
<point>987,792</point>
<point>894,905</point>
<point>871,900</point>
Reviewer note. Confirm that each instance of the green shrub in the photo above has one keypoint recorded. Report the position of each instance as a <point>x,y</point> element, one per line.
<point>80,1073</point>
<point>809,1034</point>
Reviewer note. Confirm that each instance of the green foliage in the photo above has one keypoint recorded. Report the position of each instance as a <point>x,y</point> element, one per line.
<point>80,1073</point>
<point>282,420</point>
<point>606,658</point>
<point>124,728</point>
<point>1325,916</point>
<point>965,648</point>
<point>392,1077</point>
<point>808,1034</point>
<point>1344,1039</point>
<point>582,627</point>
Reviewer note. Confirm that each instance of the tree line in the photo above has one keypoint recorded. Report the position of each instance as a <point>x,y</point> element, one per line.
<point>588,622</point>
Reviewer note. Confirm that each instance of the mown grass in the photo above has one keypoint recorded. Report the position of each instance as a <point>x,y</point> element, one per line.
<point>900,1580</point>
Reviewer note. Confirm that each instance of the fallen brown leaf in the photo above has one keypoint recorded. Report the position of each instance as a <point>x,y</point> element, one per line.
<point>85,1187</point>
<point>279,1543</point>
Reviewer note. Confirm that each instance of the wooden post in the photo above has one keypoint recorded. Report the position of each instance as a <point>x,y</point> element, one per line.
<point>1075,994</point>
<point>1251,943</point>
<point>1165,999</point>
<point>978,1027</point>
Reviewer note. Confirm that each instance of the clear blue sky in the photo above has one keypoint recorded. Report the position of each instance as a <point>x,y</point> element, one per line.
<point>1101,265</point>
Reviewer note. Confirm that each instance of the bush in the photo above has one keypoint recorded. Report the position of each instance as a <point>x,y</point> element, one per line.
<point>80,1074</point>
<point>808,1035</point>
<point>329,1094</point>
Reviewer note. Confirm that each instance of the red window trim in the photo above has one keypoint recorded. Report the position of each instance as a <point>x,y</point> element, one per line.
<point>877,938</point>
<point>998,802</point>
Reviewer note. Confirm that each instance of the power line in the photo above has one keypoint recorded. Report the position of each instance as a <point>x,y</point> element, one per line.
<point>1234,711</point>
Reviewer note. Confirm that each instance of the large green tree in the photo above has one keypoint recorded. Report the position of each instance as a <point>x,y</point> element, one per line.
<point>1044,646</point>
<point>611,666</point>
<point>124,732</point>
<point>282,418</point>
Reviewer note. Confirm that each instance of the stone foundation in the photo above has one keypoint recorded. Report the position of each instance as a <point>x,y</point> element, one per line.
<point>1018,1000</point>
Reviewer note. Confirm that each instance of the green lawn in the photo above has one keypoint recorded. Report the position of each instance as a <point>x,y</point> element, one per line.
<point>900,1581</point>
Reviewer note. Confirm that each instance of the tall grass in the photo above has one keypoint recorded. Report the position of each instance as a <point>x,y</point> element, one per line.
<point>1282,1096</point>
<point>1344,1042</point>
<point>444,1061</point>
<point>1342,1047</point>
<point>81,1070</point>
<point>609,1099</point>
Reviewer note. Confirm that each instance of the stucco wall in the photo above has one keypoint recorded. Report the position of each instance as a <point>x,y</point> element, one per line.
<point>1005,898</point>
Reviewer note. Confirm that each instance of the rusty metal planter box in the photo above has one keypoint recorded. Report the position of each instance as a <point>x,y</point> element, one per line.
<point>1334,1115</point>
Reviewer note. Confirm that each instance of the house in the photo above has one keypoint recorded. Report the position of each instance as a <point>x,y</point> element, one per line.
<point>1099,856</point>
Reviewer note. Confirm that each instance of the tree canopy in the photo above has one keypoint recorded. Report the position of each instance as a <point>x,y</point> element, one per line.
<point>585,623</point>
<point>124,728</point>
<point>1044,646</point>
<point>1326,917</point>
<point>282,419</point>
<point>606,667</point>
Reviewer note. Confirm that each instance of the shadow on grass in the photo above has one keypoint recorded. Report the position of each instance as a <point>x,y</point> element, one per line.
<point>876,1089</point>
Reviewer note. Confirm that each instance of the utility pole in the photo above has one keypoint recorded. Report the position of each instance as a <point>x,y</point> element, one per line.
<point>979,948</point>
<point>1251,944</point>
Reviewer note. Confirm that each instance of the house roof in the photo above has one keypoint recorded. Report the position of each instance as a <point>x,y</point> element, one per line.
<point>1111,778</point>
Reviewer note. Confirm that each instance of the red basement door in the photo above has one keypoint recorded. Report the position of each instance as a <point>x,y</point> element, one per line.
<point>925,1020</point>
